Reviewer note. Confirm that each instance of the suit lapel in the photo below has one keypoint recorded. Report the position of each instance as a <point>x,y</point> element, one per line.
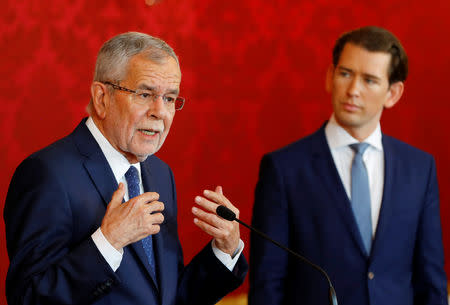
<point>390,166</point>
<point>151,185</point>
<point>324,165</point>
<point>139,250</point>
<point>95,163</point>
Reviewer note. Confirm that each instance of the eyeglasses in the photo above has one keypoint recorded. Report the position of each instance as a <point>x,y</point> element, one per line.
<point>145,97</point>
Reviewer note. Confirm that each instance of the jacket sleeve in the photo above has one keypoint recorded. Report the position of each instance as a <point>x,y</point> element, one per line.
<point>430,283</point>
<point>46,265</point>
<point>205,280</point>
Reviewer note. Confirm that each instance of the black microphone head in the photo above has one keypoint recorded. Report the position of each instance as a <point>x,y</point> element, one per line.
<point>225,213</point>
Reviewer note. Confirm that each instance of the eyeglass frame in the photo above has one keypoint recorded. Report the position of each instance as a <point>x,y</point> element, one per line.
<point>163,96</point>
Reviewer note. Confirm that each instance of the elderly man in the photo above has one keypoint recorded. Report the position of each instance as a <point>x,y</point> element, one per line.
<point>92,218</point>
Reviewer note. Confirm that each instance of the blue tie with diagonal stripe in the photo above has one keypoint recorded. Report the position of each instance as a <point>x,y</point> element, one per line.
<point>361,195</point>
<point>132,177</point>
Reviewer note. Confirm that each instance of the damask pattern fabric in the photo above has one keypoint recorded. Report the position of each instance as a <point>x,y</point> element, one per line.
<point>253,79</point>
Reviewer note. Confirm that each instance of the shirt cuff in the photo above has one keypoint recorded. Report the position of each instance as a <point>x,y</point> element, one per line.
<point>228,260</point>
<point>111,255</point>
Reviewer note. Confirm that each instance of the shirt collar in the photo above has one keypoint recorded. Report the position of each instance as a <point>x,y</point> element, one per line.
<point>338,137</point>
<point>118,163</point>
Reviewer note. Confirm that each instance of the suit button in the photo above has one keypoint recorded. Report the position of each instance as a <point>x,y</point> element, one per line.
<point>370,275</point>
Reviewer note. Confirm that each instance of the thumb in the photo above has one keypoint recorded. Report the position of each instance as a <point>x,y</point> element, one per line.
<point>117,197</point>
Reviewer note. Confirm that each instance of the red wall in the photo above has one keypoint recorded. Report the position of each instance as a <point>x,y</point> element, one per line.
<point>253,77</point>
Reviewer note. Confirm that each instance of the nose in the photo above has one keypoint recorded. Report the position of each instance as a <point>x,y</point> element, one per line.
<point>353,89</point>
<point>157,108</point>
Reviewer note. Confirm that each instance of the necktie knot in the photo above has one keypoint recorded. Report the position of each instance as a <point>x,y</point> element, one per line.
<point>359,148</point>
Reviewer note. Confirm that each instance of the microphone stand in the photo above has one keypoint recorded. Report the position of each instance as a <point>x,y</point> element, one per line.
<point>227,214</point>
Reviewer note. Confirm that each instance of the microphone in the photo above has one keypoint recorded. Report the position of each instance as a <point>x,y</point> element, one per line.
<point>228,214</point>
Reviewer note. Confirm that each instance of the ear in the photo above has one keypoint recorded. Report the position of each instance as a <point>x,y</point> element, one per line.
<point>395,92</point>
<point>100,99</point>
<point>329,79</point>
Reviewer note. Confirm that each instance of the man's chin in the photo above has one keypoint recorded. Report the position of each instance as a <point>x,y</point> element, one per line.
<point>142,156</point>
<point>144,150</point>
<point>348,120</point>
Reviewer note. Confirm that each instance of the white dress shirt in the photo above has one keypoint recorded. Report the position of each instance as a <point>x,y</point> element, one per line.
<point>339,140</point>
<point>119,166</point>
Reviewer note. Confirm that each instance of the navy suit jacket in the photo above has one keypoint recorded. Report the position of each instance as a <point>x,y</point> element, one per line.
<point>301,202</point>
<point>57,198</point>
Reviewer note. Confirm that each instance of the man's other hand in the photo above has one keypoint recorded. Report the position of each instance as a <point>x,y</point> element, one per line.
<point>226,233</point>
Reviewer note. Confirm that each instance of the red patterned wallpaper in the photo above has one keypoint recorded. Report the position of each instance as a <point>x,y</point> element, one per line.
<point>253,76</point>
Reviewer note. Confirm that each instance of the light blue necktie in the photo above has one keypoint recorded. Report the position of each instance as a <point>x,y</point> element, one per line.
<point>361,195</point>
<point>132,177</point>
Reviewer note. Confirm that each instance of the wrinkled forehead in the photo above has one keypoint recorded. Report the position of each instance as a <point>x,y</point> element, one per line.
<point>144,72</point>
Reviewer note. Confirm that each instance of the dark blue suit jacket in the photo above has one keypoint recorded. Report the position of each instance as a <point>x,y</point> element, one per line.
<point>57,199</point>
<point>301,202</point>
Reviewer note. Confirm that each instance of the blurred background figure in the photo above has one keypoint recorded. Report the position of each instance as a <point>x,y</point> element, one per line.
<point>353,200</point>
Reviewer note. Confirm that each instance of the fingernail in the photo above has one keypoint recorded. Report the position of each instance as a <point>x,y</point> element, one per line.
<point>198,199</point>
<point>195,220</point>
<point>194,209</point>
<point>206,192</point>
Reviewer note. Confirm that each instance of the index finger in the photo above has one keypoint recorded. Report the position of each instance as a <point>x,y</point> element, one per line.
<point>147,197</point>
<point>219,199</point>
<point>206,204</point>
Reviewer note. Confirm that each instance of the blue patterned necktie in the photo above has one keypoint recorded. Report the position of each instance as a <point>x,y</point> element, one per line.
<point>361,195</point>
<point>132,177</point>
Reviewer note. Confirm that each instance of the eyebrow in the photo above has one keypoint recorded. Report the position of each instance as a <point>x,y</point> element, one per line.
<point>151,88</point>
<point>368,75</point>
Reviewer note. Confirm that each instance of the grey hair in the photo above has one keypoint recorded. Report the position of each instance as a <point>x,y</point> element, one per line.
<point>114,55</point>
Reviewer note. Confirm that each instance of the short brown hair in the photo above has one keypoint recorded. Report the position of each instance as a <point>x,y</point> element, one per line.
<point>376,39</point>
